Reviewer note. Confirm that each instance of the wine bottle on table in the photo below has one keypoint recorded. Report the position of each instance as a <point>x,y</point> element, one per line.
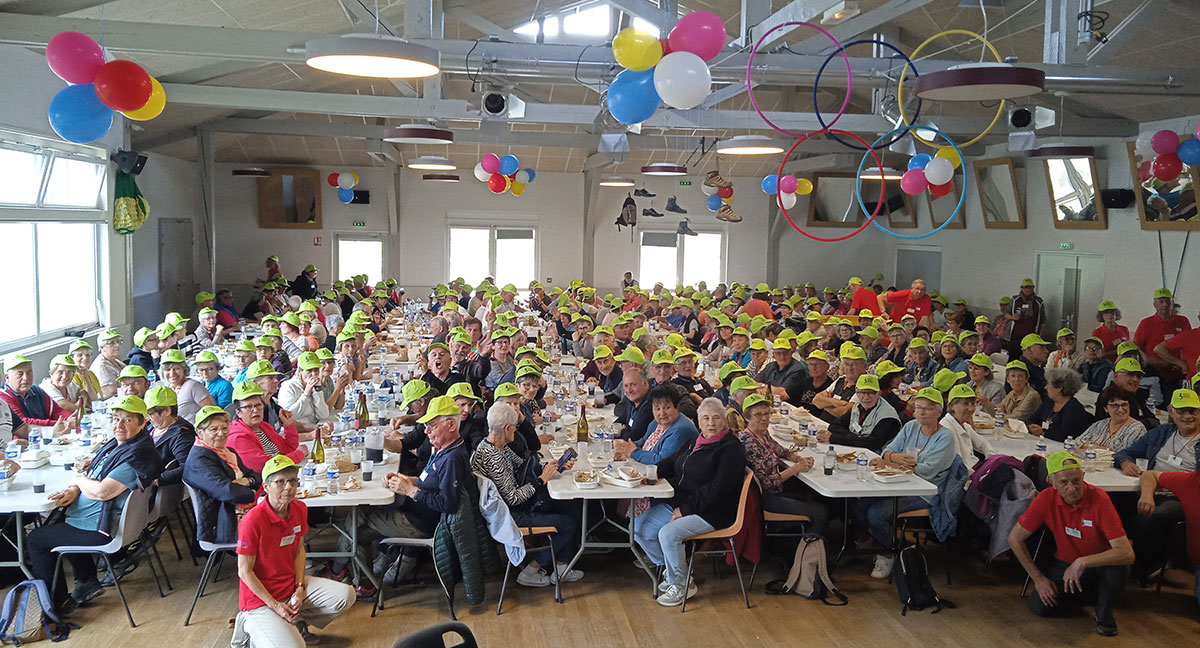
<point>318,453</point>
<point>581,430</point>
<point>362,419</point>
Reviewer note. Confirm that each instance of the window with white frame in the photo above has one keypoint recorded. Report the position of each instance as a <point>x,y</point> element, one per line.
<point>508,253</point>
<point>671,259</point>
<point>360,256</point>
<point>53,280</point>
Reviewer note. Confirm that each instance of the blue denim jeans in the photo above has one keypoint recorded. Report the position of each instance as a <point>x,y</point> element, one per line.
<point>662,539</point>
<point>877,513</point>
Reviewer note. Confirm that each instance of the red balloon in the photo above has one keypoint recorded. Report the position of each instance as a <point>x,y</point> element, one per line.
<point>332,179</point>
<point>498,183</point>
<point>123,85</point>
<point>725,192</point>
<point>666,46</point>
<point>942,189</point>
<point>1167,167</point>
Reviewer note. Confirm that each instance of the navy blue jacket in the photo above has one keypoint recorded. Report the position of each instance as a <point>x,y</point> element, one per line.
<point>216,493</point>
<point>1147,446</point>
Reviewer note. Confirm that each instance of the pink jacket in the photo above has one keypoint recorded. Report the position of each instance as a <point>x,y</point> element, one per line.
<point>245,442</point>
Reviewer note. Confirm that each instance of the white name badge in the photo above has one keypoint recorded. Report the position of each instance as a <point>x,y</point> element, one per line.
<point>1087,523</point>
<point>424,474</point>
<point>287,540</point>
<point>1074,533</point>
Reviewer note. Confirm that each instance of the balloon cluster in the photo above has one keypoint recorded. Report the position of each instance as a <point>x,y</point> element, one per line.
<point>344,182</point>
<point>933,172</point>
<point>789,186</point>
<point>671,70</point>
<point>83,111</point>
<point>503,173</point>
<point>717,196</point>
<point>1172,154</point>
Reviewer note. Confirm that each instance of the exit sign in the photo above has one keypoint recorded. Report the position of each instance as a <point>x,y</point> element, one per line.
<point>359,224</point>
<point>685,183</point>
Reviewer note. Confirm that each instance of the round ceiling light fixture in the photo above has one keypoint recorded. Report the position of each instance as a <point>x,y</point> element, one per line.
<point>616,182</point>
<point>748,145</point>
<point>888,173</point>
<point>432,163</point>
<point>440,177</point>
<point>372,55</point>
<point>985,82</point>
<point>417,134</point>
<point>664,169</point>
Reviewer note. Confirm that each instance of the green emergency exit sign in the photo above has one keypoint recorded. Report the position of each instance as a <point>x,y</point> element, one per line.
<point>685,183</point>
<point>359,224</point>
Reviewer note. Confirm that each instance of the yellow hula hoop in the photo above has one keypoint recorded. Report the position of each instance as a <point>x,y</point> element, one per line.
<point>913,56</point>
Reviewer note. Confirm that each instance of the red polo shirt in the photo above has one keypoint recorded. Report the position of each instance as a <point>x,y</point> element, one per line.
<point>274,543</point>
<point>1111,339</point>
<point>1188,345</point>
<point>1082,530</point>
<point>1187,486</point>
<point>1154,330</point>
<point>755,307</point>
<point>903,304</point>
<point>865,298</point>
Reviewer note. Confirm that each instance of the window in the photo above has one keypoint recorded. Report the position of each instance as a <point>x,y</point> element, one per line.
<point>645,26</point>
<point>510,254</point>
<point>671,259</point>
<point>596,21</point>
<point>75,183</point>
<point>549,28</point>
<point>53,280</point>
<point>40,172</point>
<point>357,256</point>
<point>22,172</point>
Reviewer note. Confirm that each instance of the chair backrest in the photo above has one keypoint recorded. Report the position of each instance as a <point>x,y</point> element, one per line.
<point>134,516</point>
<point>166,500</point>
<point>195,499</point>
<point>736,527</point>
<point>435,637</point>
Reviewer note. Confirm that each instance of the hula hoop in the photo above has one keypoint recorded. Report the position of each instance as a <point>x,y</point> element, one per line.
<point>843,48</point>
<point>750,86</point>
<point>882,194</point>
<point>904,72</point>
<point>858,184</point>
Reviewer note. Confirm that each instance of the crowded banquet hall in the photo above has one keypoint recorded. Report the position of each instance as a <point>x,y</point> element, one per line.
<point>599,322</point>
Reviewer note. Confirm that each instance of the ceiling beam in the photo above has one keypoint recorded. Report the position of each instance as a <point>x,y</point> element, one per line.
<point>1123,34</point>
<point>51,7</point>
<point>860,25</point>
<point>794,11</point>
<point>483,25</point>
<point>662,18</point>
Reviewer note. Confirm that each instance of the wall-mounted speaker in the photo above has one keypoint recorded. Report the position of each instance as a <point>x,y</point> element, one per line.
<point>1117,198</point>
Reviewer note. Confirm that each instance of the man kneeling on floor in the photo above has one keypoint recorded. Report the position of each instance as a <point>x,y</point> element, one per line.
<point>1092,554</point>
<point>277,600</point>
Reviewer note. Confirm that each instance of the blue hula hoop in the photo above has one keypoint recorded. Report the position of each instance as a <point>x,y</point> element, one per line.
<point>961,198</point>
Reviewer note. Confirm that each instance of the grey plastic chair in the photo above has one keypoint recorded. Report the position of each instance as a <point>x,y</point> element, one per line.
<point>214,550</point>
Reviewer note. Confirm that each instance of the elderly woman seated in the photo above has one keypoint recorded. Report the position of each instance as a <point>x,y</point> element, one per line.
<point>191,392</point>
<point>107,366</point>
<point>85,384</point>
<point>959,419</point>
<point>764,456</point>
<point>989,392</point>
<point>522,486</point>
<point>253,438</point>
<point>1023,400</point>
<point>225,487</point>
<point>707,477</point>
<point>58,385</point>
<point>208,368</point>
<point>302,396</point>
<point>93,503</point>
<point>1061,415</point>
<point>209,333</point>
<point>665,435</point>
<point>173,436</point>
<point>1119,430</point>
<point>871,422</point>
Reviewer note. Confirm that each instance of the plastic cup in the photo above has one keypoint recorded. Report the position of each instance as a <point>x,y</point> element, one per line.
<point>368,467</point>
<point>1142,464</point>
<point>651,474</point>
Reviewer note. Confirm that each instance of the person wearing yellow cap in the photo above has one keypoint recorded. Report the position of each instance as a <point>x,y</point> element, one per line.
<point>1179,354</point>
<point>302,396</point>
<point>133,381</point>
<point>28,402</point>
<point>59,383</point>
<point>870,422</point>
<point>1165,324</point>
<point>915,302</point>
<point>192,394</point>
<point>173,437</point>
<point>1110,333</point>
<point>897,346</point>
<point>209,332</point>
<point>960,420</point>
<point>256,440</point>
<point>85,384</point>
<point>305,283</point>
<point>765,457</point>
<point>836,400</point>
<point>1094,367</point>
<point>145,348</point>
<point>107,365</point>
<point>989,342</point>
<point>1092,551</point>
<point>440,373</point>
<point>861,297</point>
<point>1022,399</point>
<point>758,304</point>
<point>208,368</point>
<point>1034,353</point>
<point>989,392</point>
<point>785,377</point>
<point>685,375</point>
<point>93,501</point>
<point>223,485</point>
<point>920,366</point>
<point>934,457</point>
<point>1127,376</point>
<point>1025,313</point>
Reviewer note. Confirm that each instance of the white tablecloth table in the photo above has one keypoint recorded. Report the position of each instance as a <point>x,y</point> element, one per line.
<point>1110,480</point>
<point>20,499</point>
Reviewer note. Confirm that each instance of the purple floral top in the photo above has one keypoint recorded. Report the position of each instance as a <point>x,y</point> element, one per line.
<point>762,456</point>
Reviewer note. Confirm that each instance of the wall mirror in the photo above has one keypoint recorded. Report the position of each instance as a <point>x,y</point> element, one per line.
<point>897,209</point>
<point>1073,186</point>
<point>941,207</point>
<point>1163,205</point>
<point>290,198</point>
<point>832,203</point>
<point>998,195</point>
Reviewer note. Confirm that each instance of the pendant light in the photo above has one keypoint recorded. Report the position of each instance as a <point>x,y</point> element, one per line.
<point>981,82</point>
<point>748,145</point>
<point>383,56</point>
<point>616,182</point>
<point>417,134</point>
<point>664,169</point>
<point>432,163</point>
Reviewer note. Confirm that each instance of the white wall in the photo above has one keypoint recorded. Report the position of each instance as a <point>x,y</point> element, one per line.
<point>172,189</point>
<point>824,263</point>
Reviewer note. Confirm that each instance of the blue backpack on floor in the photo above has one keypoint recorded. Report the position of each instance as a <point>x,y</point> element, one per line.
<point>28,615</point>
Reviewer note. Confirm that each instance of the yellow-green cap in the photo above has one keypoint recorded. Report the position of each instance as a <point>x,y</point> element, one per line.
<point>1106,305</point>
<point>528,371</point>
<point>741,331</point>
<point>855,281</point>
<point>981,360</point>
<point>601,351</point>
<point>330,295</point>
<point>931,394</point>
<point>758,344</point>
<point>918,343</point>
<point>161,396</point>
<point>506,390</point>
<point>262,342</point>
<point>413,390</point>
<point>755,399</point>
<point>291,318</point>
<point>944,379</point>
<point>1095,340</point>
<point>175,319</point>
<point>260,368</point>
<point>1063,332</point>
<point>728,369</point>
<point>132,371</point>
<point>80,345</point>
<point>785,337</point>
<point>983,319</point>
<point>308,361</point>
<point>462,390</point>
<point>850,351</point>
<point>108,334</point>
<point>132,404</point>
<point>818,355</point>
<point>63,360</point>
<point>1185,398</point>
<point>1060,461</point>
<point>684,354</point>
<point>663,356</point>
<point>896,326</point>
<point>140,335</point>
<point>276,464</point>
<point>205,356</point>
<point>813,316</point>
<point>269,286</point>
<point>501,333</point>
<point>866,312</point>
<point>603,330</point>
<point>743,383</point>
<point>886,367</point>
<point>204,296</point>
<point>961,391</point>
<point>1127,346</point>
<point>870,331</point>
<point>1027,282</point>
<point>439,406</point>
<point>762,288</point>
<point>936,337</point>
<point>1017,364</point>
<point>1163,293</point>
<point>275,333</point>
<point>207,412</point>
<point>962,337</point>
<point>1005,300</point>
<point>867,382</point>
<point>205,312</point>
<point>908,317</point>
<point>324,354</point>
<point>246,389</point>
<point>674,340</point>
<point>1031,340</point>
<point>172,356</point>
<point>1128,365</point>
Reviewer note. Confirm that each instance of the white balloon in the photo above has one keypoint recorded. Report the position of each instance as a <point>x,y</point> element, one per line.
<point>788,199</point>
<point>345,181</point>
<point>523,176</point>
<point>682,80</point>
<point>708,191</point>
<point>480,174</point>
<point>939,171</point>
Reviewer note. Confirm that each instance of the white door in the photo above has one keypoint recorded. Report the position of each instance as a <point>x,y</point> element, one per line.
<point>1071,285</point>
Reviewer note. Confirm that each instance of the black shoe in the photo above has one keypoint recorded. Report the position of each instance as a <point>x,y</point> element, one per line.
<point>122,569</point>
<point>642,193</point>
<point>685,229</point>
<point>672,206</point>
<point>66,608</point>
<point>1106,628</point>
<point>649,211</point>
<point>87,591</point>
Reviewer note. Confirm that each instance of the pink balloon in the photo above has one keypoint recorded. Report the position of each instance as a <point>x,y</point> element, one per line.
<point>788,184</point>
<point>701,32</point>
<point>1164,142</point>
<point>913,182</point>
<point>74,57</point>
<point>1144,171</point>
<point>490,163</point>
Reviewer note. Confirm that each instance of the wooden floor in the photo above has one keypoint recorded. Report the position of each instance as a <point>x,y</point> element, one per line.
<point>612,607</point>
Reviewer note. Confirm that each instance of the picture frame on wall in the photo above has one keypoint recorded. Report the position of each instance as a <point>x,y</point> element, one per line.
<point>1169,206</point>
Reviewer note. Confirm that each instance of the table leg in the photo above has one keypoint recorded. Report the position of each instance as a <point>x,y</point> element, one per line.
<point>20,517</point>
<point>845,533</point>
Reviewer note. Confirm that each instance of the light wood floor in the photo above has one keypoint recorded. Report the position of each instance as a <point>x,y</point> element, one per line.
<point>612,607</point>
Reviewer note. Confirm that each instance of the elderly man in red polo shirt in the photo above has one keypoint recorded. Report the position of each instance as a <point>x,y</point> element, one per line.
<point>277,601</point>
<point>914,301</point>
<point>1091,550</point>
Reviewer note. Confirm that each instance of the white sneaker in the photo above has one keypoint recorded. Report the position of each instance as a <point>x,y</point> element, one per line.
<point>674,595</point>
<point>571,576</point>
<point>883,566</point>
<point>534,578</point>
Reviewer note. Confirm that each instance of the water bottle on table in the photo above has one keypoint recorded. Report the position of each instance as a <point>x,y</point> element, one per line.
<point>830,460</point>
<point>332,476</point>
<point>864,466</point>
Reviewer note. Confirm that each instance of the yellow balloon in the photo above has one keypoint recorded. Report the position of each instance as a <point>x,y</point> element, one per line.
<point>355,176</point>
<point>948,153</point>
<point>516,188</point>
<point>154,105</point>
<point>803,186</point>
<point>727,201</point>
<point>636,50</point>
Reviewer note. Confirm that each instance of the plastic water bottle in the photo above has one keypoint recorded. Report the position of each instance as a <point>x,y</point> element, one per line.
<point>1040,446</point>
<point>332,477</point>
<point>1089,459</point>
<point>12,451</point>
<point>343,423</point>
<point>309,476</point>
<point>863,466</point>
<point>830,460</point>
<point>35,439</point>
<point>783,409</point>
<point>999,419</point>
<point>812,434</point>
<point>1069,444</point>
<point>775,400</point>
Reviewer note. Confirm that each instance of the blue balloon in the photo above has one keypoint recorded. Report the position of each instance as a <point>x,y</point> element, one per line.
<point>77,114</point>
<point>770,184</point>
<point>714,202</point>
<point>346,195</point>
<point>632,98</point>
<point>509,165</point>
<point>919,161</point>
<point>1189,152</point>
<point>531,173</point>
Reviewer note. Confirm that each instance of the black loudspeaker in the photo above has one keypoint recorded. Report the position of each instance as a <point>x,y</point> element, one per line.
<point>1117,198</point>
<point>361,197</point>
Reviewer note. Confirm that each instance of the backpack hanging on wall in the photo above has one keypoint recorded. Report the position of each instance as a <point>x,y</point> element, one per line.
<point>628,216</point>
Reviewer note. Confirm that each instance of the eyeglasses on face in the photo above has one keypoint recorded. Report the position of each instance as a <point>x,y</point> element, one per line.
<point>1117,406</point>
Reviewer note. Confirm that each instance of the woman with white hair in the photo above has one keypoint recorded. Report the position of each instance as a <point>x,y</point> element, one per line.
<point>526,496</point>
<point>107,366</point>
<point>209,333</point>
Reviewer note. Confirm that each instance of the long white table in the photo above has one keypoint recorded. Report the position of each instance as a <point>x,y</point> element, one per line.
<point>1110,479</point>
<point>20,499</point>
